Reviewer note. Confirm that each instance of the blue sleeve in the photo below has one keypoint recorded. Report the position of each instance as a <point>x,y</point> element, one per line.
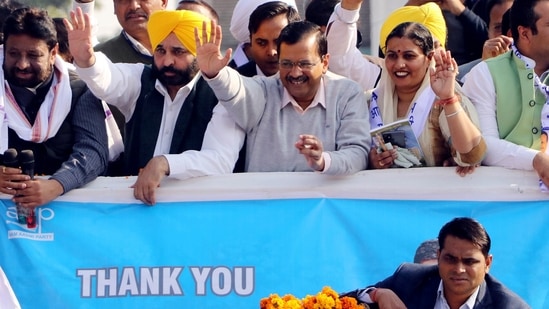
<point>90,153</point>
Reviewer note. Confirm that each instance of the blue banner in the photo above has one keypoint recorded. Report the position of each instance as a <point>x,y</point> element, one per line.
<point>214,254</point>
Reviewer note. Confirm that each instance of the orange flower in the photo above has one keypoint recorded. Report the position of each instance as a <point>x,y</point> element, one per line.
<point>325,299</point>
<point>350,303</point>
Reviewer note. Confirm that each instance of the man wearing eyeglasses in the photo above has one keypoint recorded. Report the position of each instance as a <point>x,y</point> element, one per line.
<point>303,118</point>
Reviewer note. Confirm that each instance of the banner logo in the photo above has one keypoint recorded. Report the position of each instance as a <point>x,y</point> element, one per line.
<point>16,230</point>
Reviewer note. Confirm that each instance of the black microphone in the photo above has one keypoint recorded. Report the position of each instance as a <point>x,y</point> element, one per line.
<point>10,158</point>
<point>26,159</point>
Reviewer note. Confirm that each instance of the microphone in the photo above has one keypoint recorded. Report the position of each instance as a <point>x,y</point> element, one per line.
<point>26,160</point>
<point>10,158</point>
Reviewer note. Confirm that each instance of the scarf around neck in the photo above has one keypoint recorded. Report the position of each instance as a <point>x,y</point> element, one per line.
<point>53,111</point>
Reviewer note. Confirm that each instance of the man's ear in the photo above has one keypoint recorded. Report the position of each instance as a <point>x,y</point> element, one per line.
<point>53,53</point>
<point>524,33</point>
<point>488,262</point>
<point>325,62</point>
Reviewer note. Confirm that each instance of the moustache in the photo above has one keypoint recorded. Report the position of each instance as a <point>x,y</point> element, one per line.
<point>25,71</point>
<point>136,13</point>
<point>299,79</point>
<point>168,70</point>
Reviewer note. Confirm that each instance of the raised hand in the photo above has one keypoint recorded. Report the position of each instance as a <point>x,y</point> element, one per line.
<point>208,51</point>
<point>80,38</point>
<point>351,4</point>
<point>443,76</point>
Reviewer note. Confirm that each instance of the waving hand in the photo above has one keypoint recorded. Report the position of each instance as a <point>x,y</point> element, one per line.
<point>208,51</point>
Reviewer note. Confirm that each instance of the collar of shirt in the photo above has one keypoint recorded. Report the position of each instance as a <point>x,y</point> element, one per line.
<point>183,91</point>
<point>259,72</point>
<point>319,99</point>
<point>441,302</point>
<point>531,64</point>
<point>170,113</point>
<point>138,46</point>
<point>239,56</point>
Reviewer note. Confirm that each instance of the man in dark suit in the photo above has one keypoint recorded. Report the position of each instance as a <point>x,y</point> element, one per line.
<point>460,278</point>
<point>265,24</point>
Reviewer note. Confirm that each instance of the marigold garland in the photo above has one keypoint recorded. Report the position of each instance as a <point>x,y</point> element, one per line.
<point>325,299</point>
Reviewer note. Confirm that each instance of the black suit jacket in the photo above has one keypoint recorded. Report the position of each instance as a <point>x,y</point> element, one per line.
<point>417,285</point>
<point>249,69</point>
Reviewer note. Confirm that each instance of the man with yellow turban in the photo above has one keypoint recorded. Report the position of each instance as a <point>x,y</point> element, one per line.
<point>347,60</point>
<point>167,106</point>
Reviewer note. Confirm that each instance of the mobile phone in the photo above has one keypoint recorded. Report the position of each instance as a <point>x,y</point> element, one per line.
<point>396,138</point>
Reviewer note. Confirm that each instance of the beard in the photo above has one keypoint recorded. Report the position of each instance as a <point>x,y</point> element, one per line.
<point>176,77</point>
<point>36,77</point>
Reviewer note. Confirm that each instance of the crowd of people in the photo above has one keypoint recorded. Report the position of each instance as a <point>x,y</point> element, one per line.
<point>296,95</point>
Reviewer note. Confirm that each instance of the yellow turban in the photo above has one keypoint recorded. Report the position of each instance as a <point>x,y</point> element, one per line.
<point>181,22</point>
<point>429,14</point>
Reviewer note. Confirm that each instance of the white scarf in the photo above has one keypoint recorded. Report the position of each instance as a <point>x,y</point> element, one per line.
<point>52,112</point>
<point>544,89</point>
<point>114,138</point>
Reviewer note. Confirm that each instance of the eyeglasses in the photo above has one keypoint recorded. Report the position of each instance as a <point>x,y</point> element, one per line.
<point>303,65</point>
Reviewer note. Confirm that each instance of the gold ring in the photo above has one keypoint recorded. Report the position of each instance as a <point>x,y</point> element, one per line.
<point>451,69</point>
<point>3,169</point>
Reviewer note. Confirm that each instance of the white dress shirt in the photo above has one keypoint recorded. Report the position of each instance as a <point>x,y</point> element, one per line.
<point>120,85</point>
<point>441,302</point>
<point>479,87</point>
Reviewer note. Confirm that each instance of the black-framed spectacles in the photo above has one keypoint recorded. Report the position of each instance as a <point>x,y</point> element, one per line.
<point>303,65</point>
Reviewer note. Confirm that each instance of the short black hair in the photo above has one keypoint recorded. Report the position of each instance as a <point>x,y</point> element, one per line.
<point>297,31</point>
<point>522,14</point>
<point>33,22</point>
<point>6,7</point>
<point>63,39</point>
<point>319,11</point>
<point>467,229</point>
<point>270,10</point>
<point>483,8</point>
<point>506,22</point>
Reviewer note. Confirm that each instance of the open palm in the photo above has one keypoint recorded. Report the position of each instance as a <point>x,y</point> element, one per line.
<point>208,50</point>
<point>80,38</point>
<point>443,76</point>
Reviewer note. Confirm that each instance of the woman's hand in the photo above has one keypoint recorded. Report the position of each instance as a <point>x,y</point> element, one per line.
<point>382,159</point>
<point>460,170</point>
<point>443,76</point>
